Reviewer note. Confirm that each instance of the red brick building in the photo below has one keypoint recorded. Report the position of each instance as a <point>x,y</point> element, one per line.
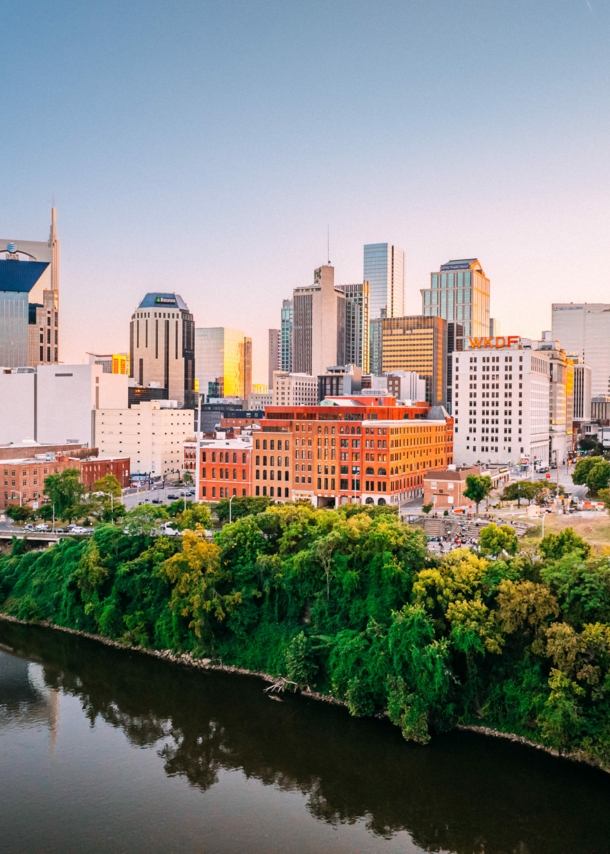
<point>225,468</point>
<point>96,467</point>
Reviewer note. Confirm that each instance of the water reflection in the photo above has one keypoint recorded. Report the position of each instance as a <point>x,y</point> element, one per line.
<point>461,794</point>
<point>24,697</point>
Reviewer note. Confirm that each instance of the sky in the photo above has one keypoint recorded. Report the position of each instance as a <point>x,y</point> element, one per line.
<point>206,147</point>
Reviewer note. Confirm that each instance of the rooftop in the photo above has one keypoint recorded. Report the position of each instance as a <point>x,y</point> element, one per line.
<point>163,300</point>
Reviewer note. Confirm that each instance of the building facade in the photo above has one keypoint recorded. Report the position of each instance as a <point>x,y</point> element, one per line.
<point>502,403</point>
<point>275,353</point>
<point>583,329</point>
<point>357,324</point>
<point>112,363</point>
<point>418,344</point>
<point>350,450</point>
<point>384,270</point>
<point>29,301</point>
<point>406,385</point>
<point>561,400</point>
<point>583,402</point>
<point>286,336</point>
<point>459,292</point>
<point>223,359</point>
<point>318,335</point>
<point>162,346</point>
<point>225,469</point>
<point>151,434</point>
<point>294,389</point>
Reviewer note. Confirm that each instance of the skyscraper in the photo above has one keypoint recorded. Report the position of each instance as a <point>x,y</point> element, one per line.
<point>162,346</point>
<point>459,293</point>
<point>274,354</point>
<point>357,298</point>
<point>584,329</point>
<point>29,301</point>
<point>319,324</point>
<point>418,344</point>
<point>384,270</point>
<point>223,359</point>
<point>286,336</point>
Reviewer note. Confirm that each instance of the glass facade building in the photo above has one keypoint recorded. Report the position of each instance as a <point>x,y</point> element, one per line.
<point>223,362</point>
<point>286,336</point>
<point>459,293</point>
<point>357,324</point>
<point>418,344</point>
<point>384,270</point>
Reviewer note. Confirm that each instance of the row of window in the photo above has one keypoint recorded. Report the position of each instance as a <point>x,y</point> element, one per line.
<point>223,457</point>
<point>272,444</point>
<point>223,492</point>
<point>223,474</point>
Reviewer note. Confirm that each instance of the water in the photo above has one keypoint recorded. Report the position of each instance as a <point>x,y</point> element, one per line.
<point>109,751</point>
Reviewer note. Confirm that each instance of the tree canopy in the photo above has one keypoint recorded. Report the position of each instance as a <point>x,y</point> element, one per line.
<point>478,488</point>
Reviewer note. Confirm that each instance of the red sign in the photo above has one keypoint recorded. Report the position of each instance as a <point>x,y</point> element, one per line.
<point>548,477</point>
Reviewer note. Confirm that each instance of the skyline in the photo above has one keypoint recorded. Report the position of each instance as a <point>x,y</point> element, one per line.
<point>209,154</point>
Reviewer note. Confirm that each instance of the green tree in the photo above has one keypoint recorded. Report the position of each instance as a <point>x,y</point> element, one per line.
<point>196,514</point>
<point>65,492</point>
<point>555,546</point>
<point>145,520</point>
<point>525,489</point>
<point>598,475</point>
<point>582,469</point>
<point>604,494</point>
<point>109,485</point>
<point>241,506</point>
<point>426,508</point>
<point>187,477</point>
<point>18,512</point>
<point>478,487</point>
<point>494,540</point>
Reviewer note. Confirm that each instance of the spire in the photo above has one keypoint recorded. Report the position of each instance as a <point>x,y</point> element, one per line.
<point>54,244</point>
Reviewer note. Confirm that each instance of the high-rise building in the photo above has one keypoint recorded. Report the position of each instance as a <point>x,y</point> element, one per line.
<point>584,329</point>
<point>583,403</point>
<point>286,336</point>
<point>561,399</point>
<point>223,359</point>
<point>376,346</point>
<point>460,293</point>
<point>162,346</point>
<point>275,354</point>
<point>29,301</point>
<point>418,344</point>
<point>318,337</point>
<point>384,270</point>
<point>502,404</point>
<point>294,389</point>
<point>357,299</point>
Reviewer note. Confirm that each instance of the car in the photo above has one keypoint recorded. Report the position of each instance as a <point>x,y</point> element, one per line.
<point>29,527</point>
<point>191,492</point>
<point>42,527</point>
<point>59,530</point>
<point>156,501</point>
<point>172,496</point>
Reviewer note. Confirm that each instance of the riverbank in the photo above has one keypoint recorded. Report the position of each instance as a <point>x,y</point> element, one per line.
<point>187,660</point>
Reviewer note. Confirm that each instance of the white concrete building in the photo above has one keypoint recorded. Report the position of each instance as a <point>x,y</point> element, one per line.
<point>584,329</point>
<point>294,389</point>
<point>319,324</point>
<point>54,404</point>
<point>152,434</point>
<point>259,400</point>
<point>502,403</point>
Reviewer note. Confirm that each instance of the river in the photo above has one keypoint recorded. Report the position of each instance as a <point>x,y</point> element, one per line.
<point>110,751</point>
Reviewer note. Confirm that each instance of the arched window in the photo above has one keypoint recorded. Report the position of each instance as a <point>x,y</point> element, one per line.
<point>382,501</point>
<point>258,444</point>
<point>381,472</point>
<point>234,458</point>
<point>369,500</point>
<point>272,445</point>
<point>243,459</point>
<point>370,470</point>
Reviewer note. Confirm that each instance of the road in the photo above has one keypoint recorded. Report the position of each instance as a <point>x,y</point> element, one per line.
<point>146,496</point>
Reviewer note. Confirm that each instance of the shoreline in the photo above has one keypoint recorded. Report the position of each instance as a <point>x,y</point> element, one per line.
<point>187,660</point>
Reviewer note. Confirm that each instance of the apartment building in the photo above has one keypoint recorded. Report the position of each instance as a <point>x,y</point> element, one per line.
<point>225,469</point>
<point>294,389</point>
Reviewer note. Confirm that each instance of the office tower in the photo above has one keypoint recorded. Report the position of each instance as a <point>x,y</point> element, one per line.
<point>340,381</point>
<point>583,404</point>
<point>357,300</point>
<point>29,301</point>
<point>561,398</point>
<point>495,327</point>
<point>584,329</point>
<point>294,389</point>
<point>418,344</point>
<point>286,336</point>
<point>223,359</point>
<point>275,361</point>
<point>318,337</point>
<point>502,403</point>
<point>455,341</point>
<point>376,345</point>
<point>460,293</point>
<point>162,346</point>
<point>384,270</point>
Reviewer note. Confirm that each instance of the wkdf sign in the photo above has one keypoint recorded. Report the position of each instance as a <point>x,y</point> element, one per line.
<point>494,342</point>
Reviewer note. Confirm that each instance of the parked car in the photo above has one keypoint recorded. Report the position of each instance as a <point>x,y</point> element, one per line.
<point>29,527</point>
<point>42,527</point>
<point>172,496</point>
<point>156,501</point>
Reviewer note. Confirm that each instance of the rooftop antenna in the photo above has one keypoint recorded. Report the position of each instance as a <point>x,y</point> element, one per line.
<point>328,242</point>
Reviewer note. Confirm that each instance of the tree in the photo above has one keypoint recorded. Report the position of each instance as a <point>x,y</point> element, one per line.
<point>145,520</point>
<point>196,514</point>
<point>65,492</point>
<point>241,506</point>
<point>109,485</point>
<point>426,508</point>
<point>588,443</point>
<point>494,540</point>
<point>18,513</point>
<point>187,477</point>
<point>555,546</point>
<point>604,494</point>
<point>582,469</point>
<point>478,487</point>
<point>598,476</point>
<point>522,489</point>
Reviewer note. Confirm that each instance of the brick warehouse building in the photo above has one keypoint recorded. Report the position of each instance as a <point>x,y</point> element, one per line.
<point>348,449</point>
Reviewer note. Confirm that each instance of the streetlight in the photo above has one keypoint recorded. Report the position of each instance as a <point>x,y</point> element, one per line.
<point>230,502</point>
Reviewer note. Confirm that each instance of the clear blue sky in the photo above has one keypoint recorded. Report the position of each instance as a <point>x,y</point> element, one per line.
<point>203,147</point>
